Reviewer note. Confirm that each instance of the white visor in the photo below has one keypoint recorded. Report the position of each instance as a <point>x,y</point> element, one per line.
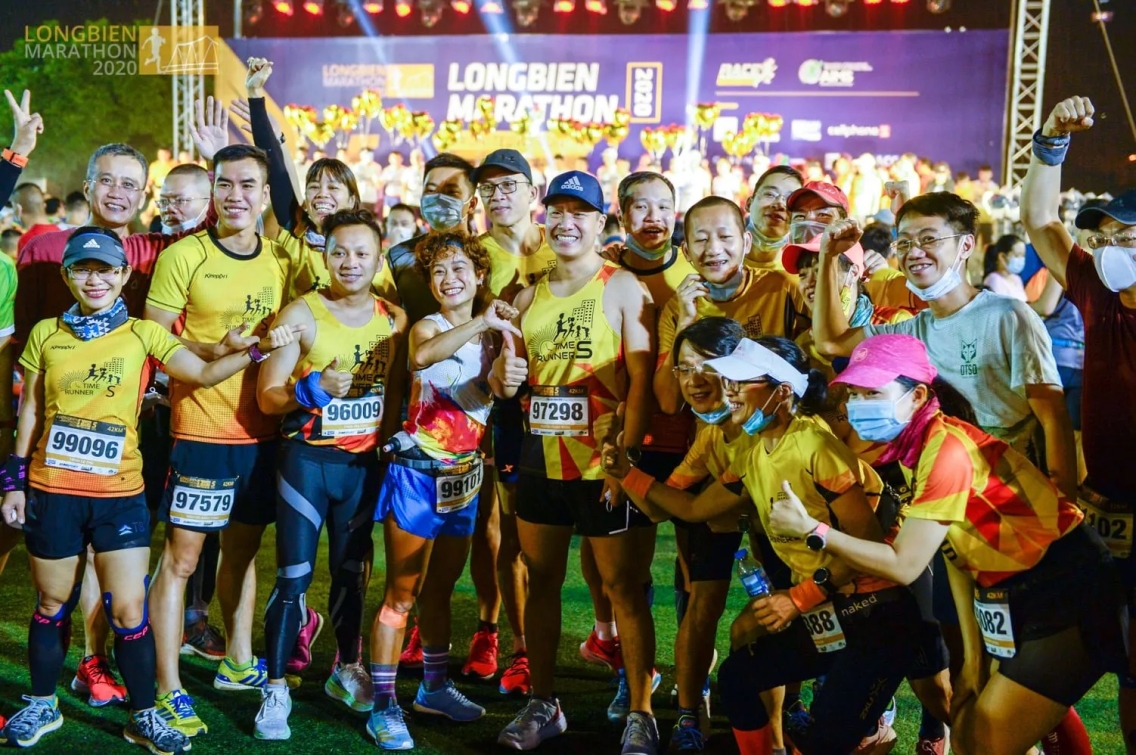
<point>751,361</point>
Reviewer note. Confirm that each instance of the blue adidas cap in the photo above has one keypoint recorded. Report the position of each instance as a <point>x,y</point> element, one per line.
<point>576,184</point>
<point>1123,209</point>
<point>88,245</point>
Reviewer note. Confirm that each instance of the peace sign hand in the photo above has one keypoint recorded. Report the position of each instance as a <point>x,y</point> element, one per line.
<point>27,123</point>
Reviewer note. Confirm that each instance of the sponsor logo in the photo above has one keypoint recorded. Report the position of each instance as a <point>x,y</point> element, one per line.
<point>569,338</point>
<point>645,92</point>
<point>216,276</point>
<point>94,379</point>
<point>805,131</point>
<point>572,184</point>
<point>404,80</point>
<point>567,90</point>
<point>826,74</point>
<point>750,75</point>
<point>969,352</point>
<point>850,130</point>
<point>92,244</point>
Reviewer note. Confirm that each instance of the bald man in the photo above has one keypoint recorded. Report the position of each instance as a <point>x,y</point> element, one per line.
<point>31,209</point>
<point>184,198</point>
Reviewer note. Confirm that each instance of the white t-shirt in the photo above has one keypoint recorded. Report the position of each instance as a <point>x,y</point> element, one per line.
<point>989,351</point>
<point>1006,285</point>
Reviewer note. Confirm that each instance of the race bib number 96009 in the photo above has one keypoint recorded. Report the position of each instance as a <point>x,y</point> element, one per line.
<point>455,492</point>
<point>201,503</point>
<point>84,445</point>
<point>559,410</point>
<point>347,417</point>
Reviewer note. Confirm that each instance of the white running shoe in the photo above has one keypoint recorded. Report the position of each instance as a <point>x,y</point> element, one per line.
<point>351,685</point>
<point>272,718</point>
<point>540,720</point>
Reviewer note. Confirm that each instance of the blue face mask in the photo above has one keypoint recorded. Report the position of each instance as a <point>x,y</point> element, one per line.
<point>714,417</point>
<point>763,243</point>
<point>874,419</point>
<point>441,211</point>
<point>652,255</point>
<point>724,291</point>
<point>1016,265</point>
<point>758,421</point>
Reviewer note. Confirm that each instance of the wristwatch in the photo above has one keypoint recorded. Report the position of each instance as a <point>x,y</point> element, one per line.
<point>16,159</point>
<point>823,579</point>
<point>817,539</point>
<point>256,355</point>
<point>634,454</point>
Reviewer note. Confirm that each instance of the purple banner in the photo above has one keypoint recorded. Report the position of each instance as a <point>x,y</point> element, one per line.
<point>935,93</point>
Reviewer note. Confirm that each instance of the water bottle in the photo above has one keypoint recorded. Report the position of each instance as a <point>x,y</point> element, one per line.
<point>753,577</point>
<point>402,441</point>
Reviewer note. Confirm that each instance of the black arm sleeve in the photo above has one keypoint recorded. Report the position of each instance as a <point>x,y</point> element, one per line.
<point>283,195</point>
<point>9,175</point>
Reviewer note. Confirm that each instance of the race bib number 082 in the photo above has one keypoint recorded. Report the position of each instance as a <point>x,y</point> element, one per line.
<point>344,418</point>
<point>84,445</point>
<point>559,410</point>
<point>201,503</point>
<point>455,492</point>
<point>992,610</point>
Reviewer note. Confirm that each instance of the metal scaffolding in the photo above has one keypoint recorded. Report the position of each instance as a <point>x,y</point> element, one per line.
<point>1027,85</point>
<point>187,87</point>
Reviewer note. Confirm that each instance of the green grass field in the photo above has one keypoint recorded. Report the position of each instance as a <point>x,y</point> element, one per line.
<point>321,725</point>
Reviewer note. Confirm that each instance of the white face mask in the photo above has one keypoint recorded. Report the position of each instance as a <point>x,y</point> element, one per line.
<point>173,230</point>
<point>940,288</point>
<point>1115,267</point>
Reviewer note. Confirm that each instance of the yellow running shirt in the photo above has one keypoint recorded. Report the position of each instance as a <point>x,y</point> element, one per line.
<point>577,375</point>
<point>351,423</point>
<point>216,291</point>
<point>92,392</point>
<point>311,269</point>
<point>512,272</point>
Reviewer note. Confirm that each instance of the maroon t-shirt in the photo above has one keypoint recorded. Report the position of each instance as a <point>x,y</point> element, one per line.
<point>1108,411</point>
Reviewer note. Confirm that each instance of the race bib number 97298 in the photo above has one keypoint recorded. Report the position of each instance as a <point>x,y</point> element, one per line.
<point>455,492</point>
<point>347,417</point>
<point>559,410</point>
<point>201,503</point>
<point>84,445</point>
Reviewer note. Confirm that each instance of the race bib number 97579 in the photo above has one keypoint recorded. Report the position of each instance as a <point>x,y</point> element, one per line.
<point>559,410</point>
<point>84,445</point>
<point>201,503</point>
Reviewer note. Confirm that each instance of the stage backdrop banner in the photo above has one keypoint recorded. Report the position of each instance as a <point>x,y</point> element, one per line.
<point>937,93</point>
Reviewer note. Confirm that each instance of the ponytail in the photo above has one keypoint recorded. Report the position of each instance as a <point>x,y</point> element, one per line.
<point>951,402</point>
<point>815,399</point>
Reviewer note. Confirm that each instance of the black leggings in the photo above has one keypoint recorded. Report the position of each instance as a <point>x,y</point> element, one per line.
<point>317,485</point>
<point>859,679</point>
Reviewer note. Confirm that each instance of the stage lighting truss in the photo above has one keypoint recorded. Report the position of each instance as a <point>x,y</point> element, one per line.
<point>736,10</point>
<point>630,10</point>
<point>526,12</point>
<point>836,8</point>
<point>431,11</point>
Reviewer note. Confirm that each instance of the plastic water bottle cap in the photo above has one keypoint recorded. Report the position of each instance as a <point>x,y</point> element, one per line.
<point>741,554</point>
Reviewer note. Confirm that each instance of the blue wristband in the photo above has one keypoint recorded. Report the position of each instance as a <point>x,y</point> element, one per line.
<point>1051,150</point>
<point>309,393</point>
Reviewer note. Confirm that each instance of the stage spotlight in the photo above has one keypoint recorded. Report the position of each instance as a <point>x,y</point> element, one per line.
<point>596,6</point>
<point>898,2</point>
<point>344,15</point>
<point>938,6</point>
<point>461,6</point>
<point>736,10</point>
<point>807,2</point>
<point>373,6</point>
<point>491,7</point>
<point>872,2</point>
<point>284,6</point>
<point>666,5</point>
<point>315,7</point>
<point>774,4</point>
<point>402,8</point>
<point>526,12</point>
<point>697,4</point>
<point>630,10</point>
<point>563,6</point>
<point>836,8</point>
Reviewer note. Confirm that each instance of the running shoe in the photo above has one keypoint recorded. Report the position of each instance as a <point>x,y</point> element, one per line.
<point>601,652</point>
<point>482,660</point>
<point>230,679</point>
<point>796,720</point>
<point>889,714</point>
<point>931,746</point>
<point>687,737</point>
<point>203,640</point>
<point>177,708</point>
<point>705,721</point>
<point>302,653</point>
<point>272,718</point>
<point>641,735</point>
<point>540,720</point>
<point>148,729</point>
<point>516,679</point>
<point>621,704</point>
<point>95,679</point>
<point>3,723</point>
<point>352,686</point>
<point>26,727</point>
<point>388,728</point>
<point>412,656</point>
<point>880,743</point>
<point>448,702</point>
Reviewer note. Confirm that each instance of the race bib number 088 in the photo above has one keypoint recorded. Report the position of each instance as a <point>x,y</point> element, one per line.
<point>559,411</point>
<point>824,628</point>
<point>455,492</point>
<point>201,503</point>
<point>84,445</point>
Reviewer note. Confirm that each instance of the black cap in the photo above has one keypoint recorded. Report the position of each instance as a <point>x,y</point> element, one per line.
<point>1122,209</point>
<point>94,246</point>
<point>506,159</point>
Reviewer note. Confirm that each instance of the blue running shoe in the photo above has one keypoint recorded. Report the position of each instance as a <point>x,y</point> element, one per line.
<point>621,704</point>
<point>26,727</point>
<point>687,737</point>
<point>447,702</point>
<point>388,728</point>
<point>230,679</point>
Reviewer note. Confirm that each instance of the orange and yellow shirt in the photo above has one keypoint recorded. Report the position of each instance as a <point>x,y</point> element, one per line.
<point>311,273</point>
<point>509,273</point>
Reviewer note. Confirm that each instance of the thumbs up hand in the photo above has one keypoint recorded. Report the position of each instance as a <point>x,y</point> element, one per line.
<point>336,382</point>
<point>510,369</point>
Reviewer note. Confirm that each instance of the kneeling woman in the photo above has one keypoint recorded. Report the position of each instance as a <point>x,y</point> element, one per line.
<point>1033,584</point>
<point>856,630</point>
<point>85,373</point>
<point>428,501</point>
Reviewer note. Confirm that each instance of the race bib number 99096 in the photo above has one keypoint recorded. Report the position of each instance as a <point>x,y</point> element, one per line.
<point>455,492</point>
<point>84,445</point>
<point>347,417</point>
<point>201,503</point>
<point>992,610</point>
<point>559,410</point>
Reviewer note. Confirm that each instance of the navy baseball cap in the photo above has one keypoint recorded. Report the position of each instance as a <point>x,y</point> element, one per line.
<point>506,159</point>
<point>576,184</point>
<point>1122,209</point>
<point>88,245</point>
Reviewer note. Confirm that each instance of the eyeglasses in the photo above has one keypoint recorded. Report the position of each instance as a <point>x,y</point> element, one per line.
<point>903,247</point>
<point>83,274</point>
<point>487,190</point>
<point>1099,240</point>
<point>126,185</point>
<point>736,385</point>
<point>772,195</point>
<point>180,202</point>
<point>686,372</point>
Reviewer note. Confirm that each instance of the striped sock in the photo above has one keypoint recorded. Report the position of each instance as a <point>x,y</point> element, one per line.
<point>435,660</point>
<point>382,678</point>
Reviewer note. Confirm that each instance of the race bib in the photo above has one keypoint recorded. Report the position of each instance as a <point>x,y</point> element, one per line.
<point>201,503</point>
<point>347,417</point>
<point>455,492</point>
<point>992,609</point>
<point>1113,522</point>
<point>84,445</point>
<point>824,628</point>
<point>559,410</point>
